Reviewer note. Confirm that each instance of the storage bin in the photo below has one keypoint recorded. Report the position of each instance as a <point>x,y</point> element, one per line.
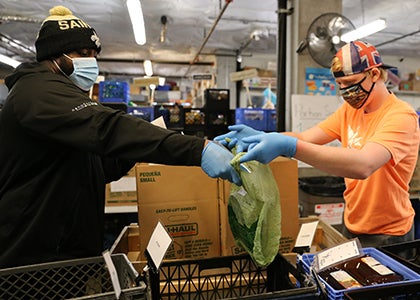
<point>194,117</point>
<point>409,275</point>
<point>322,196</point>
<point>114,91</point>
<point>173,115</point>
<point>144,112</point>
<point>86,278</point>
<point>230,277</point>
<point>128,243</point>
<point>217,100</point>
<point>416,206</point>
<point>401,291</point>
<point>271,119</point>
<point>255,118</point>
<point>411,248</point>
<point>326,236</point>
<point>323,186</point>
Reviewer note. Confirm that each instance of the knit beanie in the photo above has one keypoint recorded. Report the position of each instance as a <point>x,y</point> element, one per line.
<point>61,32</point>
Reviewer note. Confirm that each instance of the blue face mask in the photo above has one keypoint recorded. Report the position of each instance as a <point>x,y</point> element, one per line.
<point>85,72</point>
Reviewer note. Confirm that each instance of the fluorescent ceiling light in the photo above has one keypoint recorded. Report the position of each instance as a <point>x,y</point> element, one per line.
<point>148,69</point>
<point>364,31</point>
<point>137,21</point>
<point>9,61</point>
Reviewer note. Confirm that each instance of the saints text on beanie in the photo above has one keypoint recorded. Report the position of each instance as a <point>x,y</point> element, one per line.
<point>62,32</point>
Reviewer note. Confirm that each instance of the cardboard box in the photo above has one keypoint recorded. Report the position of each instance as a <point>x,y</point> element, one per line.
<point>416,85</point>
<point>128,242</point>
<point>186,201</point>
<point>326,236</point>
<point>285,172</point>
<point>406,85</point>
<point>122,191</point>
<point>410,85</point>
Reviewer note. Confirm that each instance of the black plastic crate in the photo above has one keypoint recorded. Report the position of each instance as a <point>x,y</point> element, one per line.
<point>86,278</point>
<point>407,253</point>
<point>173,115</point>
<point>217,100</point>
<point>324,186</point>
<point>230,277</point>
<point>401,291</point>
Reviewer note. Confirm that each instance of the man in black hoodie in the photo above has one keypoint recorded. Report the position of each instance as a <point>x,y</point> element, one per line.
<point>59,149</point>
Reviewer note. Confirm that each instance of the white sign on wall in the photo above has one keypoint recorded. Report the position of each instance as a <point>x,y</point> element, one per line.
<point>309,110</point>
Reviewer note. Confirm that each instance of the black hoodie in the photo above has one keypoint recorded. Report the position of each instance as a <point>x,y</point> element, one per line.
<point>58,149</point>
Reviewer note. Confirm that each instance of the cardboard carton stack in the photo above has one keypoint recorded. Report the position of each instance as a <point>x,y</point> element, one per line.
<point>193,207</point>
<point>122,191</point>
<point>412,83</point>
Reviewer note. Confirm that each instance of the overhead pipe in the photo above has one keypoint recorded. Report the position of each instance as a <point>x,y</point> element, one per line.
<point>164,62</point>
<point>398,38</point>
<point>212,29</point>
<point>210,32</point>
<point>282,13</point>
<point>11,43</point>
<point>19,19</point>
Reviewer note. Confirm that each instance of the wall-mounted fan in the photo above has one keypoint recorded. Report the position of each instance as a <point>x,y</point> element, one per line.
<point>323,37</point>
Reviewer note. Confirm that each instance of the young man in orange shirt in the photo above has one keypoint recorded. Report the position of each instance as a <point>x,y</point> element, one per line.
<point>379,134</point>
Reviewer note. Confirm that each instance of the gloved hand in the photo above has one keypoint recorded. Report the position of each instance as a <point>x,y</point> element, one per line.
<point>215,161</point>
<point>236,134</point>
<point>265,147</point>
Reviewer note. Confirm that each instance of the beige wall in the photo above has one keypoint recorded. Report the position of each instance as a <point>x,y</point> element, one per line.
<point>308,10</point>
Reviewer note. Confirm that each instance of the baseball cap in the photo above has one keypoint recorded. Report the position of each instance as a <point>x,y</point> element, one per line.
<point>358,57</point>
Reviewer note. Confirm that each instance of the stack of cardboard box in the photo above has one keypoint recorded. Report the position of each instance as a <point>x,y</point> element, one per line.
<point>411,84</point>
<point>193,208</point>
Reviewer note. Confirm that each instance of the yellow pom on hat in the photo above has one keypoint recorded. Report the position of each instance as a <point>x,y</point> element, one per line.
<point>60,11</point>
<point>62,32</point>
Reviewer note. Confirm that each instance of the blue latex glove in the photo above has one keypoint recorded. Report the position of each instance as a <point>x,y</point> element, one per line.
<point>236,134</point>
<point>267,146</point>
<point>215,161</point>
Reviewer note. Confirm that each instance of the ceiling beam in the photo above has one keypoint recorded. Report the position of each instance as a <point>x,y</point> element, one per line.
<point>164,62</point>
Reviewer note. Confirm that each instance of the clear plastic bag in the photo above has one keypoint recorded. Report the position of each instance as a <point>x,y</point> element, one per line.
<point>254,211</point>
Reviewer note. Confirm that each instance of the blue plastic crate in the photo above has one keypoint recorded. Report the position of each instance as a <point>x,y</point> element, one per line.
<point>252,117</point>
<point>408,274</point>
<point>114,91</point>
<point>144,112</point>
<point>271,119</point>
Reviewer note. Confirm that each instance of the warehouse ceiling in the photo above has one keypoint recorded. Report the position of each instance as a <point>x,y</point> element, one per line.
<point>247,26</point>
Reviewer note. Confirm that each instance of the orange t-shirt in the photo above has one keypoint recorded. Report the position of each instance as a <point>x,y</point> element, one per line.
<point>379,204</point>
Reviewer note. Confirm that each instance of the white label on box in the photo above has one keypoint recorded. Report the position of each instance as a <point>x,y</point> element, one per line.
<point>306,234</point>
<point>124,184</point>
<point>330,213</point>
<point>377,266</point>
<point>158,244</point>
<point>370,261</point>
<point>383,270</point>
<point>345,279</point>
<point>159,122</point>
<point>337,254</point>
